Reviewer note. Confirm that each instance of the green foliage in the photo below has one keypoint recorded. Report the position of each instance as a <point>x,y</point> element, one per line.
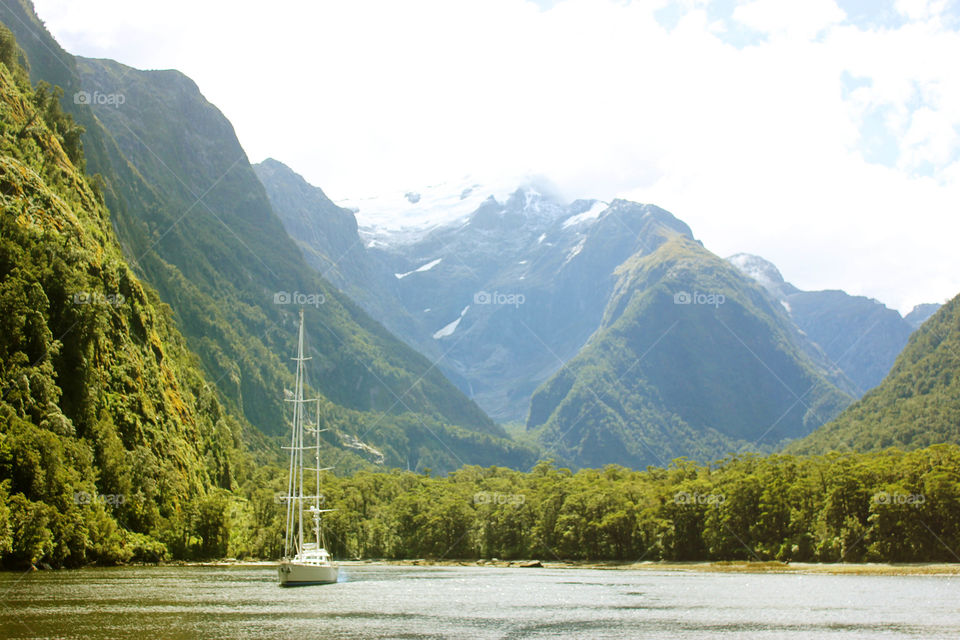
<point>660,379</point>
<point>108,430</point>
<point>891,506</point>
<point>917,404</point>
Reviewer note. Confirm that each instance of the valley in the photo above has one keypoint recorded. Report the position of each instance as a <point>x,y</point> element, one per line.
<point>502,371</point>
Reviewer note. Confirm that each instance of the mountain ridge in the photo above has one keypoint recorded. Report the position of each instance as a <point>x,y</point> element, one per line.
<point>859,335</point>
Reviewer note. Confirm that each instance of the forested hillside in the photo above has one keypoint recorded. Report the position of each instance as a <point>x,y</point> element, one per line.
<point>691,359</point>
<point>113,445</point>
<point>917,404</point>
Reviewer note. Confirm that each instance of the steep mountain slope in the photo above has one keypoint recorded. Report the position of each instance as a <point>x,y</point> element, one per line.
<point>917,404</point>
<point>111,437</point>
<point>859,335</point>
<point>328,238</point>
<point>196,223</point>
<point>691,359</point>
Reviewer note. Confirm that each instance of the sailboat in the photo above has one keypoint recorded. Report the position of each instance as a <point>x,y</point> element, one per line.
<point>304,562</point>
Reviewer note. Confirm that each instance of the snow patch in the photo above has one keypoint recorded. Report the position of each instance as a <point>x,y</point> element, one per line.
<point>589,215</point>
<point>426,267</point>
<point>450,328</point>
<point>786,305</point>
<point>424,208</point>
<point>533,199</point>
<point>576,250</point>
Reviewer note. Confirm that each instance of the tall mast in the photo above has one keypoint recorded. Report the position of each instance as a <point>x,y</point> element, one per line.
<point>298,421</point>
<point>293,539</point>
<point>316,466</point>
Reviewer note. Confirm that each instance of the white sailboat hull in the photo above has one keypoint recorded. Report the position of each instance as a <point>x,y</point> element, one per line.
<point>294,574</point>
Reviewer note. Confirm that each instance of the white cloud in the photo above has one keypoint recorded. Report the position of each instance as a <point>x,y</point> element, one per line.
<point>792,19</point>
<point>931,139</point>
<point>755,147</point>
<point>920,9</point>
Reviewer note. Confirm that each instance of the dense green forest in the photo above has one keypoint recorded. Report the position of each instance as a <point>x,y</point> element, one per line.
<point>890,506</point>
<point>113,446</point>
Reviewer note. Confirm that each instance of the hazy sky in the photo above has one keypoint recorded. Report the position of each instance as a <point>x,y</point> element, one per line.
<point>823,135</point>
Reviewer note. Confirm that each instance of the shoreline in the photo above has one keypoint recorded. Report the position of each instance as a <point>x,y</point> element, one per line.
<point>726,566</point>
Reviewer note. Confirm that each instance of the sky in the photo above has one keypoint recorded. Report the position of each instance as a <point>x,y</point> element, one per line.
<point>823,135</point>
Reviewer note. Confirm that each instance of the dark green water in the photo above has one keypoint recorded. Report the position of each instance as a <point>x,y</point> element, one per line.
<point>473,602</point>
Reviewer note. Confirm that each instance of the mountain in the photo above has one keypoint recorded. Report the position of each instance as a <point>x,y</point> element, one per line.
<point>195,222</point>
<point>498,295</point>
<point>916,405</point>
<point>517,288</point>
<point>691,359</point>
<point>920,313</point>
<point>859,335</point>
<point>113,444</point>
<point>328,237</point>
<point>514,290</point>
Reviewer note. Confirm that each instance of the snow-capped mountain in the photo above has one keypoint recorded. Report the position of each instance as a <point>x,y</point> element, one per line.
<point>406,215</point>
<point>504,289</point>
<point>510,291</point>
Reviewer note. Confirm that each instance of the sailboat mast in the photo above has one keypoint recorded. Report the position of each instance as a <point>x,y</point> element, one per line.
<point>316,466</point>
<point>299,428</point>
<point>288,532</point>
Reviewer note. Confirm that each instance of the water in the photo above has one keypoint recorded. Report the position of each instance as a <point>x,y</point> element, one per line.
<point>375,601</point>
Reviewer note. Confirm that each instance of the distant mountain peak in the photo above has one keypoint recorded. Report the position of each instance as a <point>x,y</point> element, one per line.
<point>760,269</point>
<point>921,313</point>
<point>408,213</point>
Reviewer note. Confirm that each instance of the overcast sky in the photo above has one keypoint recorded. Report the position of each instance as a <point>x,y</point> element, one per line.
<point>823,135</point>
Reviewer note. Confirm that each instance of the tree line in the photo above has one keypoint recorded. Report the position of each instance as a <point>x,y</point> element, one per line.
<point>891,506</point>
